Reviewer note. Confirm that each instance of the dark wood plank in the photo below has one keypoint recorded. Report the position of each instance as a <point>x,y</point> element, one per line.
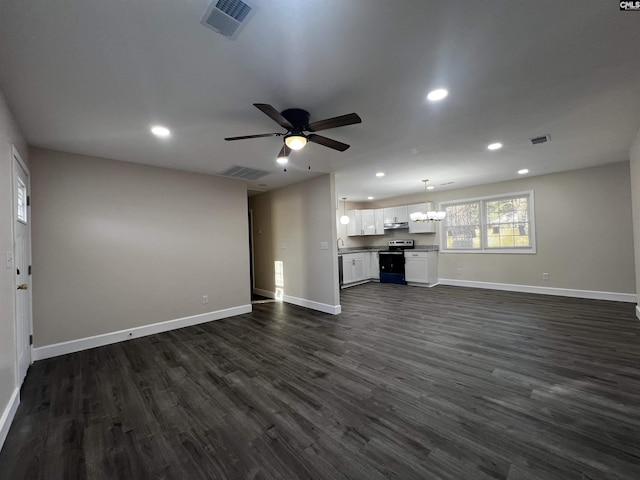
<point>439,383</point>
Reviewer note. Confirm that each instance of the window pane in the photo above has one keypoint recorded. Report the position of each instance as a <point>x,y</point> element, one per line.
<point>462,226</point>
<point>22,201</point>
<point>508,223</point>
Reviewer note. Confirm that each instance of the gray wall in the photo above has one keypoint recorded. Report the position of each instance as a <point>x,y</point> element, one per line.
<point>9,134</point>
<point>584,233</point>
<point>289,225</point>
<point>118,245</point>
<point>634,156</point>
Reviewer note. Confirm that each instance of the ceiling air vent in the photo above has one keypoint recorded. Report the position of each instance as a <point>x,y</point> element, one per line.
<point>245,173</point>
<point>227,17</point>
<point>542,139</point>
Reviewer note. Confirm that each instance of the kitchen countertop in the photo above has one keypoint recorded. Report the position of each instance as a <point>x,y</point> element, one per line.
<point>418,248</point>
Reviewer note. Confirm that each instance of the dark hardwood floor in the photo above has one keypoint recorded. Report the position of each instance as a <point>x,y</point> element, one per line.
<point>407,383</point>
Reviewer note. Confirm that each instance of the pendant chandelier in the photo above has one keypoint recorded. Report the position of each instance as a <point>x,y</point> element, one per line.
<point>429,214</point>
<point>344,219</point>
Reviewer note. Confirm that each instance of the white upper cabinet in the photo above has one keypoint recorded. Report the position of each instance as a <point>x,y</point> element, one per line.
<point>396,214</point>
<point>379,221</point>
<point>354,227</point>
<point>368,222</point>
<point>365,222</point>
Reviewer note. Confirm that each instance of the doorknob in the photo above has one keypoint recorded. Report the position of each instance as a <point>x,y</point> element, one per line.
<point>23,286</point>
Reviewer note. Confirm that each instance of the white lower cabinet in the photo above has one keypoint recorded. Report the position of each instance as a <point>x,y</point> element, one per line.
<point>359,268</point>
<point>374,273</point>
<point>421,268</point>
<point>353,268</point>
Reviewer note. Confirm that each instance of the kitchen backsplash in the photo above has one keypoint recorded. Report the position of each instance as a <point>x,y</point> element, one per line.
<point>383,240</point>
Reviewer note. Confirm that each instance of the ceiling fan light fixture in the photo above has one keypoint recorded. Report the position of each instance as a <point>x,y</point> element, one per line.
<point>295,142</point>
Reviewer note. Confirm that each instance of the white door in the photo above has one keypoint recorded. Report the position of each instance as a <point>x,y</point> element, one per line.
<point>22,265</point>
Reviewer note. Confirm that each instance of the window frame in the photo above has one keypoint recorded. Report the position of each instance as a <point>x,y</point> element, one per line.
<point>484,224</point>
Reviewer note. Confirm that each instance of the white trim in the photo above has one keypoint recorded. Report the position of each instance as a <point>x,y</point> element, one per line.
<point>353,284</point>
<point>638,312</point>
<point>420,284</point>
<point>17,159</point>
<point>264,293</point>
<point>80,344</point>
<point>303,302</point>
<point>322,307</point>
<point>562,292</point>
<point>8,415</point>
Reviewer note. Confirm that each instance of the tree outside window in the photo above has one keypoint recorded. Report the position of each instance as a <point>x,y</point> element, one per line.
<point>490,224</point>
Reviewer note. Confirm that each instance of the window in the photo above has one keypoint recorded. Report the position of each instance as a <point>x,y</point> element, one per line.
<point>22,201</point>
<point>500,224</point>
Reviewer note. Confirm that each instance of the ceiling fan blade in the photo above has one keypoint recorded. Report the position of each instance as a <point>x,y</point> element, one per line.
<point>275,115</point>
<point>262,135</point>
<point>284,152</point>
<point>341,121</point>
<point>327,142</point>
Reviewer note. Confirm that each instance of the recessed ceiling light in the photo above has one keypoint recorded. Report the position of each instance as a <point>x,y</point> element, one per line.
<point>494,146</point>
<point>380,174</point>
<point>430,187</point>
<point>523,171</point>
<point>160,131</point>
<point>369,198</point>
<point>438,94</point>
<point>282,160</point>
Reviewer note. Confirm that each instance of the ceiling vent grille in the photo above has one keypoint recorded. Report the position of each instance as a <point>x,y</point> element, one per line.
<point>542,139</point>
<point>245,173</point>
<point>227,17</point>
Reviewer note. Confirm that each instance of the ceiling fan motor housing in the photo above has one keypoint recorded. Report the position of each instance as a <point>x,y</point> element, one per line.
<point>298,118</point>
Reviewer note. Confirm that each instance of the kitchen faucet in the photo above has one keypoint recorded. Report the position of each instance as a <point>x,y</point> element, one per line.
<point>338,242</point>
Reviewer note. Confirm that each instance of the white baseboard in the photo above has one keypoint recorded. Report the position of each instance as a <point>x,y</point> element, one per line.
<point>562,292</point>
<point>321,307</point>
<point>361,282</point>
<point>424,285</point>
<point>638,312</point>
<point>80,344</point>
<point>302,302</point>
<point>264,293</point>
<point>8,415</point>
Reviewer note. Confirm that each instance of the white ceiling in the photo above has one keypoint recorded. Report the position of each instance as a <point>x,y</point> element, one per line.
<point>91,76</point>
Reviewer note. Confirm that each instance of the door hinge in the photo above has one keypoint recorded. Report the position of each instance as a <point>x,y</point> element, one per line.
<point>30,339</point>
<point>28,200</point>
<point>29,270</point>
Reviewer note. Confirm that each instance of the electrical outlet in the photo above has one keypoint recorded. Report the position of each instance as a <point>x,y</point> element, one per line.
<point>459,271</point>
<point>205,299</point>
<point>545,276</point>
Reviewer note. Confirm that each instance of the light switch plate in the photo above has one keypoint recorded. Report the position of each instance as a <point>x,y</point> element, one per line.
<point>324,245</point>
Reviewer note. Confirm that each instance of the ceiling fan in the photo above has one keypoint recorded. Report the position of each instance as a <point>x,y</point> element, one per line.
<point>296,121</point>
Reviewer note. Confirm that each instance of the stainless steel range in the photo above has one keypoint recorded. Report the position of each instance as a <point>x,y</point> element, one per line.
<point>392,261</point>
